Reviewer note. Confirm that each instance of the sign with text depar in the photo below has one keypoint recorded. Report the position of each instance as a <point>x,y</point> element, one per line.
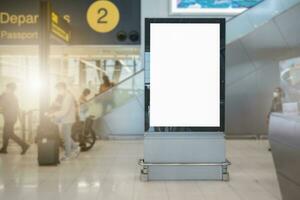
<point>99,22</point>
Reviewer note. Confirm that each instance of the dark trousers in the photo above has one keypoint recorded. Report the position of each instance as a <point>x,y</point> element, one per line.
<point>8,133</point>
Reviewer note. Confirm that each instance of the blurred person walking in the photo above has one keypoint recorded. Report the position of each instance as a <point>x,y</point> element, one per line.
<point>278,96</point>
<point>106,85</point>
<point>10,110</point>
<point>276,106</point>
<point>83,99</point>
<point>84,96</point>
<point>65,116</point>
<point>108,98</point>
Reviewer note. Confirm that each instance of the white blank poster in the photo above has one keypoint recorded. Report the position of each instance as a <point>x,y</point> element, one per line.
<point>185,75</point>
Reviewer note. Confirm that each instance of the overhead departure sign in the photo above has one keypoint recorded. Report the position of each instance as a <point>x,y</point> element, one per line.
<point>60,27</point>
<point>18,27</point>
<point>93,22</point>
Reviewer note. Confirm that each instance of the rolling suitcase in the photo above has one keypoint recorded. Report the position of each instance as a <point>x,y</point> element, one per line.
<point>48,152</point>
<point>48,142</point>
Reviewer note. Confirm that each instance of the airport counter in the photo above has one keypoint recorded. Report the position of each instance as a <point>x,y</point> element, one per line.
<point>284,136</point>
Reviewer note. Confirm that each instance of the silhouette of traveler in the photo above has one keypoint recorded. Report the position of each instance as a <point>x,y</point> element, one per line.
<point>108,99</point>
<point>276,106</point>
<point>278,97</point>
<point>84,95</point>
<point>65,117</point>
<point>10,110</point>
<point>106,85</point>
<point>83,109</point>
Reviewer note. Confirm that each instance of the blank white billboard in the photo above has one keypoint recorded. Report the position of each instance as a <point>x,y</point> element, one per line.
<point>185,75</point>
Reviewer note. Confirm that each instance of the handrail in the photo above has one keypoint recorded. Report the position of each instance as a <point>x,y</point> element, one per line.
<point>235,16</point>
<point>251,22</point>
<point>31,111</point>
<point>116,85</point>
<point>226,163</point>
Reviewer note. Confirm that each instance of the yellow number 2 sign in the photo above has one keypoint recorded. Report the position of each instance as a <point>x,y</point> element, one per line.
<point>103,16</point>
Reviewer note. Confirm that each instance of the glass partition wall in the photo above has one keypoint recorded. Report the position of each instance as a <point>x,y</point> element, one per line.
<point>79,67</point>
<point>84,67</point>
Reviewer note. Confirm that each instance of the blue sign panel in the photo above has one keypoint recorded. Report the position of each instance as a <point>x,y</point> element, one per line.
<point>218,3</point>
<point>215,7</point>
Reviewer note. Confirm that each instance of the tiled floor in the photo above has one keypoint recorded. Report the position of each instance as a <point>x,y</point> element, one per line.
<point>110,172</point>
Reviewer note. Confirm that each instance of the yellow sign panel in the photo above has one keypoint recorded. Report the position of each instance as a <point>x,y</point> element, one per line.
<point>103,16</point>
<point>60,27</point>
<point>20,20</point>
<point>60,32</point>
<point>54,17</point>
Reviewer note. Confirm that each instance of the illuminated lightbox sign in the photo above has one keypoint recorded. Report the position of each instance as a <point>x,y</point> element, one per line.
<point>185,89</point>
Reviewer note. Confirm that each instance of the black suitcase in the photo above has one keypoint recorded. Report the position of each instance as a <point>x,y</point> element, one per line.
<point>48,152</point>
<point>48,142</point>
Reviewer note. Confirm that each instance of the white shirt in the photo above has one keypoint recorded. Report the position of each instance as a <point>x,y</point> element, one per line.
<point>67,113</point>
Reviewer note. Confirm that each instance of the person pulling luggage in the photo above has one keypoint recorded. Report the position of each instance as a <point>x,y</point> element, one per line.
<point>65,116</point>
<point>10,110</point>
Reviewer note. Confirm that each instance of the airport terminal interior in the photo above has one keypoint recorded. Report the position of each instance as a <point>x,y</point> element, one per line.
<point>150,99</point>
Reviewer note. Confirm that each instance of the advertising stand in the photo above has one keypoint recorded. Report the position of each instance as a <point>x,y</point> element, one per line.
<point>184,100</point>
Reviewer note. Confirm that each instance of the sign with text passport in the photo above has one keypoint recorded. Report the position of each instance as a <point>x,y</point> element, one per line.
<point>100,22</point>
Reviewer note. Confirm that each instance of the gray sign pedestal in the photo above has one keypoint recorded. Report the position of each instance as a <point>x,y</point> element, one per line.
<point>184,156</point>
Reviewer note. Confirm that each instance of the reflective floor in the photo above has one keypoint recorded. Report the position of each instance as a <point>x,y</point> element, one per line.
<point>110,172</point>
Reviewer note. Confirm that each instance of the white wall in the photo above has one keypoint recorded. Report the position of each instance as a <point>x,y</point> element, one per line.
<point>252,66</point>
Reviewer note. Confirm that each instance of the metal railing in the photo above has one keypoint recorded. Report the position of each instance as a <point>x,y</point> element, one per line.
<point>144,175</point>
<point>255,17</point>
<point>116,85</point>
<point>237,15</point>
<point>143,163</point>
